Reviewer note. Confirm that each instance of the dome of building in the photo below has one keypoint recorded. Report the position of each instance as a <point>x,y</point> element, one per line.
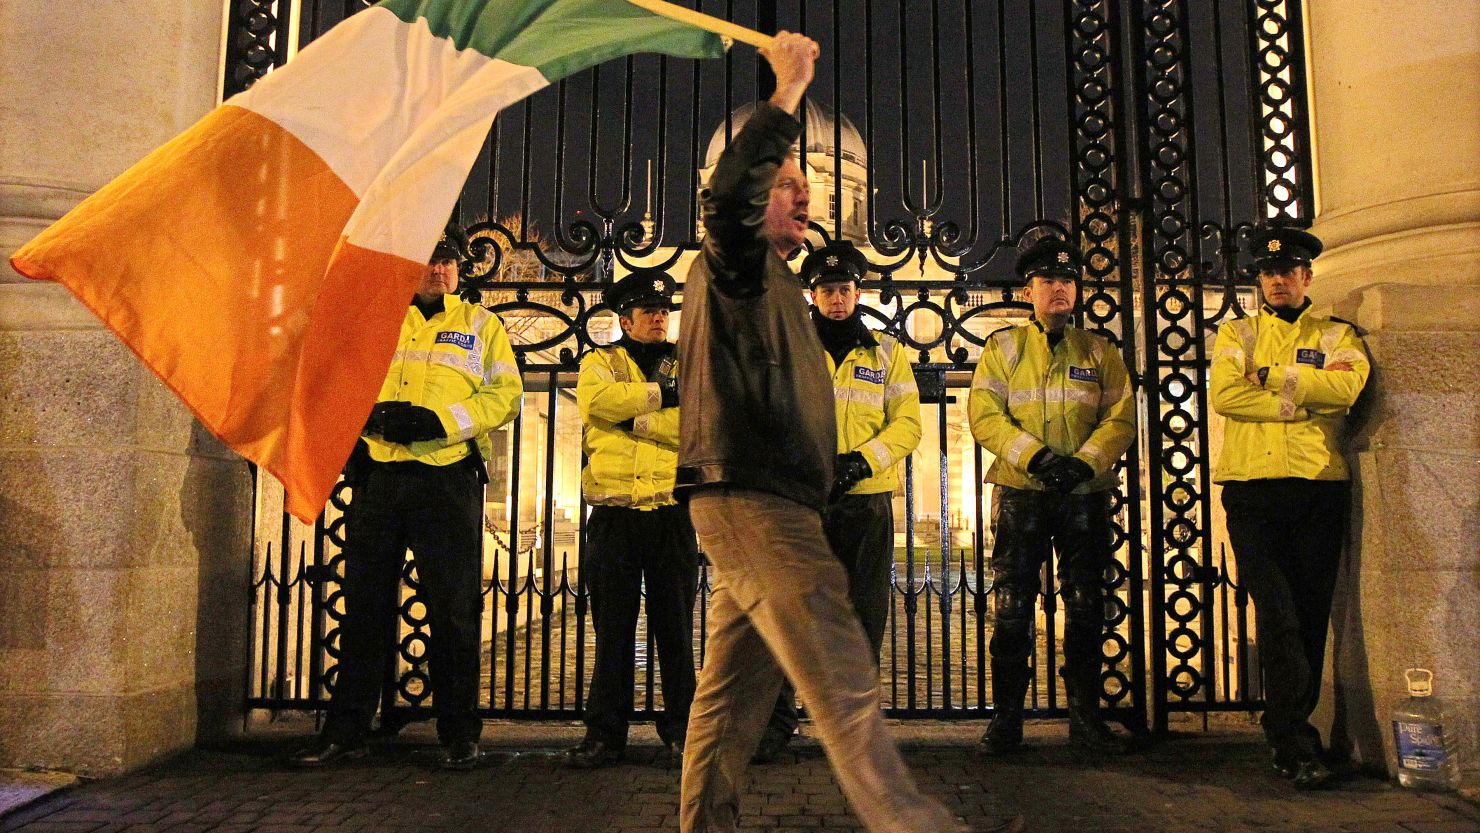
<point>820,128</point>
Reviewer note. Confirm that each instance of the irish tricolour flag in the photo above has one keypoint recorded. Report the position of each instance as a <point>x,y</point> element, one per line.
<point>261,262</point>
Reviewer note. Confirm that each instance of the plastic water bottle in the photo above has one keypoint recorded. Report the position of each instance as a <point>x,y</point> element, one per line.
<point>1425,739</point>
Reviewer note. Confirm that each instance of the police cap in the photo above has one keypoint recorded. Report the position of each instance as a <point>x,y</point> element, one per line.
<point>641,288</point>
<point>453,245</point>
<point>1049,257</point>
<point>834,263</point>
<point>1280,247</point>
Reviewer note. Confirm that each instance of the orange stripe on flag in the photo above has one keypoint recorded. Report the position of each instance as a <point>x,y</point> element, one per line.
<point>208,258</point>
<point>348,345</point>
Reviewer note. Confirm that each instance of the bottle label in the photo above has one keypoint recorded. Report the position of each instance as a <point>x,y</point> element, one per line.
<point>1420,745</point>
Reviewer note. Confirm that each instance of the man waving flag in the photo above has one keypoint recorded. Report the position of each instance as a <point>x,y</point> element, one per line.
<point>260,263</point>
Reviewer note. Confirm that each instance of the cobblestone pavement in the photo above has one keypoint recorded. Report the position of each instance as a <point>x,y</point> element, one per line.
<point>1213,781</point>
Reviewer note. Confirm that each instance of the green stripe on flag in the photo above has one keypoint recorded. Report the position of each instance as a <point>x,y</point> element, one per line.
<point>484,25</point>
<point>557,37</point>
<point>574,34</point>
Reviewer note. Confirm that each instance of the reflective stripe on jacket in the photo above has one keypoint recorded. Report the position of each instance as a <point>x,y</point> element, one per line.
<point>878,409</point>
<point>1075,399</point>
<point>1290,425</point>
<point>625,468</point>
<point>461,366</point>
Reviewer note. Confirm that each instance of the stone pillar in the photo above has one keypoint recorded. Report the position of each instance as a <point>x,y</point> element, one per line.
<point>1396,103</point>
<point>123,525</point>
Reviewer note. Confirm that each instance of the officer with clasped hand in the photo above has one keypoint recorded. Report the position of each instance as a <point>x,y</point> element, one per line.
<point>637,536</point>
<point>1053,403</point>
<point>418,483</point>
<point>1284,380</point>
<point>878,414</point>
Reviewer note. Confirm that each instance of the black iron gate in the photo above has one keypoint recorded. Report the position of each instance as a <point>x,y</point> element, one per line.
<point>939,136</point>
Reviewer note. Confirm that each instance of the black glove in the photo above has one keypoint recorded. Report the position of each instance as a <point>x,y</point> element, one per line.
<point>375,425</point>
<point>626,425</point>
<point>1066,473</point>
<point>849,470</point>
<point>1042,462</point>
<point>669,386</point>
<point>402,422</point>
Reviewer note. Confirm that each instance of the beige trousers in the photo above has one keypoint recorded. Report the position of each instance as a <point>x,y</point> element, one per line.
<point>779,604</point>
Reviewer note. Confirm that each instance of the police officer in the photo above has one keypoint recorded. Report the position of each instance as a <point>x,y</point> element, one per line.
<point>878,413</point>
<point>1053,403</point>
<point>637,535</point>
<point>420,485</point>
<point>1285,379</point>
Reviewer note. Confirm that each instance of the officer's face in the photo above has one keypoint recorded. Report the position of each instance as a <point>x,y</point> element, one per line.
<point>837,299</point>
<point>439,279</point>
<point>1286,287</point>
<point>786,215</point>
<point>1052,295</point>
<point>648,325</point>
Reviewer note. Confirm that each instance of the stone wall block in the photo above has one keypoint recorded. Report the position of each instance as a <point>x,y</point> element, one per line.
<point>158,508</point>
<point>1425,392</point>
<point>99,631</point>
<point>107,735</point>
<point>71,388</point>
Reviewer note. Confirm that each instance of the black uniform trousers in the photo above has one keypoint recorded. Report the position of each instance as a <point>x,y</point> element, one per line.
<point>1287,536</point>
<point>629,551</point>
<point>436,512</point>
<point>860,530</point>
<point>1030,524</point>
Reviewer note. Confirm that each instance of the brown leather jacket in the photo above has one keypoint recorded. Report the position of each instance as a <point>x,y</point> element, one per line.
<point>755,398</point>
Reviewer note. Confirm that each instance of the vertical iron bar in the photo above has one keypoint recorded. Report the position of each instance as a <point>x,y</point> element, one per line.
<point>548,560</point>
<point>1151,380</point>
<point>316,627</point>
<point>909,573</point>
<point>511,589</point>
<point>945,545</point>
<point>1125,185</point>
<point>281,599</point>
<point>1002,121</point>
<point>1197,371</point>
<point>981,579</point>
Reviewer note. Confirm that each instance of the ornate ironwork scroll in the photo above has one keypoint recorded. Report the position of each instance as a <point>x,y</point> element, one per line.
<point>944,135</point>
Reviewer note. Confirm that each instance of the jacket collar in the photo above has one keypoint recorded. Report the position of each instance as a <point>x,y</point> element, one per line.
<point>1287,316</point>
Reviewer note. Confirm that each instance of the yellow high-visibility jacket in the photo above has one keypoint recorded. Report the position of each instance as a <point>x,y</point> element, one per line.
<point>1290,425</point>
<point>1075,399</point>
<point>461,366</point>
<point>878,409</point>
<point>634,467</point>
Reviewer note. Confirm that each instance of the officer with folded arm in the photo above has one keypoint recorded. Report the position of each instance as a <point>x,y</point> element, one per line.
<point>637,537</point>
<point>1284,380</point>
<point>1053,404</point>
<point>418,483</point>
<point>878,417</point>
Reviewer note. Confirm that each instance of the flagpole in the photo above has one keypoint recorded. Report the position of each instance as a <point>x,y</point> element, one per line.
<point>709,23</point>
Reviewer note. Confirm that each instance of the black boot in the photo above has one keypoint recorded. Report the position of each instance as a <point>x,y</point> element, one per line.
<point>593,753</point>
<point>1084,622</point>
<point>1089,732</point>
<point>1011,648</point>
<point>1086,729</point>
<point>1004,734</point>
